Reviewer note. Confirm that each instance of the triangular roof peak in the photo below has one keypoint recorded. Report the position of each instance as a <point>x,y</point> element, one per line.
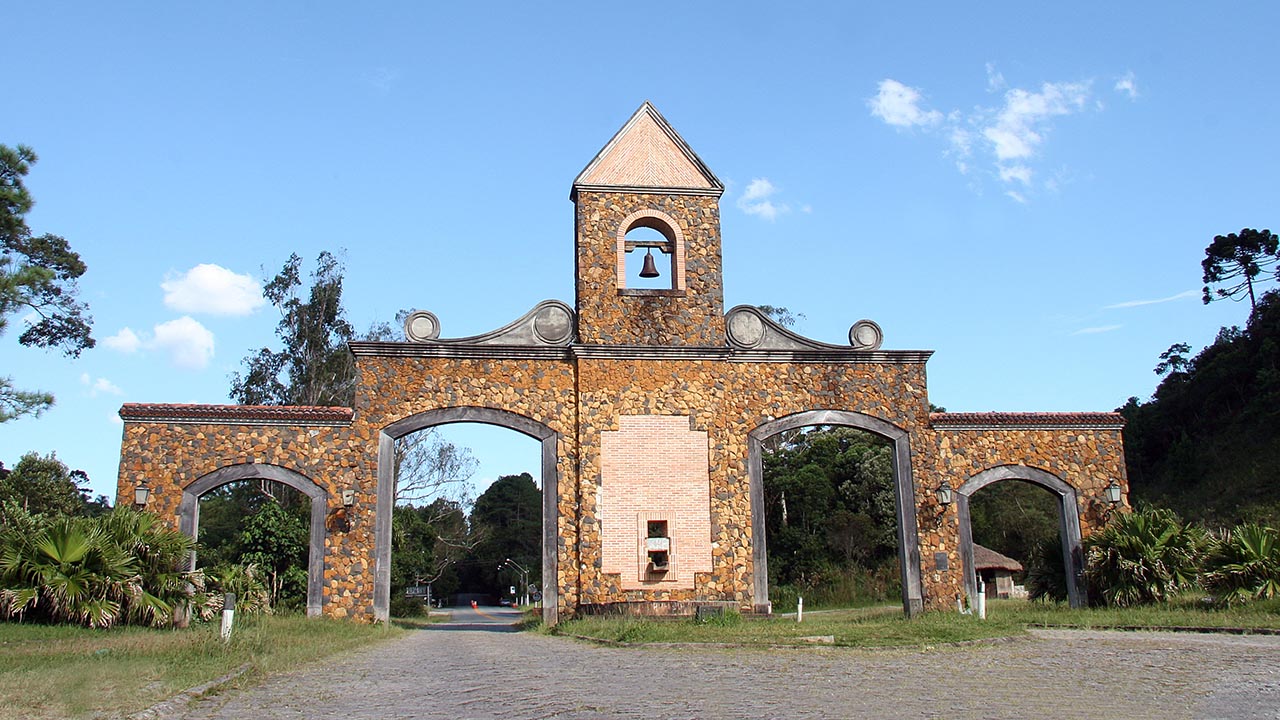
<point>647,154</point>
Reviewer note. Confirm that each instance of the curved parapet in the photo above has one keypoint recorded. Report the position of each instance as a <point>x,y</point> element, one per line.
<point>549,323</point>
<point>749,328</point>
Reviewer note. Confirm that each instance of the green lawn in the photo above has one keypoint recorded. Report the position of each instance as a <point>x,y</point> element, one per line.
<point>886,626</point>
<point>68,672</point>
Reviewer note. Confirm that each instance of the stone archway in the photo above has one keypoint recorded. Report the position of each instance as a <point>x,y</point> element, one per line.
<point>189,514</point>
<point>904,496</point>
<point>387,495</point>
<point>1068,525</point>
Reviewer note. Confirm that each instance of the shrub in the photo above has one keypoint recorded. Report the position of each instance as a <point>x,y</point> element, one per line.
<point>1046,571</point>
<point>211,584</point>
<point>1244,565</point>
<point>120,567</point>
<point>1143,557</point>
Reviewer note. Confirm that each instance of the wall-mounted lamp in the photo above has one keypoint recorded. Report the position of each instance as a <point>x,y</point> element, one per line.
<point>1113,493</point>
<point>944,493</point>
<point>141,494</point>
<point>348,498</point>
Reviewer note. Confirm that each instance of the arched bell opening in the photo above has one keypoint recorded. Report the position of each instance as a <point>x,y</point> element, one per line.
<point>650,253</point>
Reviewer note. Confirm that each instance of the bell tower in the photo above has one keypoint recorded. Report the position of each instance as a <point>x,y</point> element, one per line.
<point>647,203</point>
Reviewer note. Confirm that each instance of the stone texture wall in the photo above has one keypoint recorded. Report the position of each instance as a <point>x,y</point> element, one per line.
<point>170,456</point>
<point>727,400</point>
<point>611,315</point>
<point>1086,458</point>
<point>395,388</point>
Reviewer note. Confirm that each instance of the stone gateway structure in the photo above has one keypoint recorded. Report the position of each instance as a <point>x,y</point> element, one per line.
<point>651,405</point>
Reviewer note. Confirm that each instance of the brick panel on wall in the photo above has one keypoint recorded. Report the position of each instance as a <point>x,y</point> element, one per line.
<point>655,466</point>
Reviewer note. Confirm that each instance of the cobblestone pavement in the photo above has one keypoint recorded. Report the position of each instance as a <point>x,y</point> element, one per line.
<point>474,672</point>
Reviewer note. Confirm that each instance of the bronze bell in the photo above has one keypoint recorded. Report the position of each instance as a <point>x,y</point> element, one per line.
<point>649,270</point>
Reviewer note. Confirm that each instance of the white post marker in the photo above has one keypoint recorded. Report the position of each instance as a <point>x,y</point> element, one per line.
<point>982,600</point>
<point>228,614</point>
<point>799,610</point>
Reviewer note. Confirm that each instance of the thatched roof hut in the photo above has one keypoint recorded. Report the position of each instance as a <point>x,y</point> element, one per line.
<point>987,559</point>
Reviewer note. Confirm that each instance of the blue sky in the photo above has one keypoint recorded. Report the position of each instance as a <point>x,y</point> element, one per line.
<point>1027,191</point>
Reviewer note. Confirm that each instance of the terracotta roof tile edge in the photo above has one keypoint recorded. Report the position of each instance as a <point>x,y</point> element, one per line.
<point>226,414</point>
<point>1094,420</point>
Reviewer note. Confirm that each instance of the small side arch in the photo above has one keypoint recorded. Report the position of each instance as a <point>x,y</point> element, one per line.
<point>904,496</point>
<point>387,496</point>
<point>1068,525</point>
<point>189,514</point>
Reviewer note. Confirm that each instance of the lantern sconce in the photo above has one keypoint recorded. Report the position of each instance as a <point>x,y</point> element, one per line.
<point>348,498</point>
<point>141,494</point>
<point>1113,493</point>
<point>944,493</point>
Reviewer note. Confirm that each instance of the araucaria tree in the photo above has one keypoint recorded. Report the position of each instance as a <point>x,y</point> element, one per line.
<point>313,367</point>
<point>37,276</point>
<point>1238,259</point>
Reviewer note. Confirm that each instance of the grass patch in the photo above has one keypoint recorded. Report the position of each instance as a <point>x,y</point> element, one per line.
<point>69,672</point>
<point>885,626</point>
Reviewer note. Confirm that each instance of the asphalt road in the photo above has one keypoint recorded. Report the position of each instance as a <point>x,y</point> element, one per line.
<point>475,667</point>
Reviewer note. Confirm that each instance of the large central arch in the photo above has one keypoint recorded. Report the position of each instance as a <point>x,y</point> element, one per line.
<point>1068,525</point>
<point>387,495</point>
<point>189,514</point>
<point>904,496</point>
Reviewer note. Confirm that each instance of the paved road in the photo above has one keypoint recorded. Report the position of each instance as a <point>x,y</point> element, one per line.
<point>474,669</point>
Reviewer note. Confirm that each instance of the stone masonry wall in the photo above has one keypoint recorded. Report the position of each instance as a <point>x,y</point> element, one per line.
<point>610,316</point>
<point>170,456</point>
<point>726,400</point>
<point>395,388</point>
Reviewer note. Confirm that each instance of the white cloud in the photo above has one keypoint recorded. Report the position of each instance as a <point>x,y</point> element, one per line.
<point>1138,303</point>
<point>125,341</point>
<point>1021,173</point>
<point>899,105</point>
<point>214,290</point>
<point>101,385</point>
<point>755,200</point>
<point>1127,85</point>
<point>995,79</point>
<point>1012,135</point>
<point>1096,330</point>
<point>1019,126</point>
<point>189,344</point>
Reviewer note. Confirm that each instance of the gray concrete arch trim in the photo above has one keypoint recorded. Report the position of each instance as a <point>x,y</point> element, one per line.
<point>189,514</point>
<point>1068,525</point>
<point>904,496</point>
<point>386,496</point>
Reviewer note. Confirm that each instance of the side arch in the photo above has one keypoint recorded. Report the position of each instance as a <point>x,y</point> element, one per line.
<point>1068,525</point>
<point>904,496</point>
<point>189,514</point>
<point>387,496</point>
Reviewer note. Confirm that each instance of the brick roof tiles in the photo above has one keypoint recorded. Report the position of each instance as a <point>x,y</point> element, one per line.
<point>246,414</point>
<point>1092,420</point>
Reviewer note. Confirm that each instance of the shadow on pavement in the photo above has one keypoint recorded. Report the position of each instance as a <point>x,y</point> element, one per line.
<point>483,627</point>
